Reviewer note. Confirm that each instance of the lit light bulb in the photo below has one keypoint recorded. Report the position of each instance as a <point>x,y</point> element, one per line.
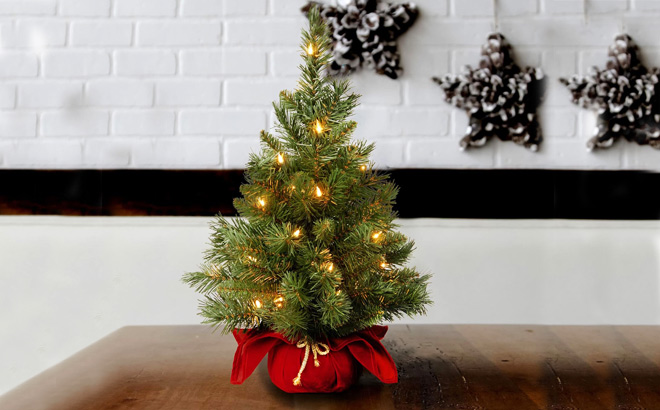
<point>363,167</point>
<point>338,292</point>
<point>251,258</point>
<point>258,304</point>
<point>384,265</point>
<point>319,193</point>
<point>310,49</point>
<point>278,301</point>
<point>280,159</point>
<point>331,267</point>
<point>376,235</point>
<point>262,202</point>
<point>318,127</point>
<point>296,233</point>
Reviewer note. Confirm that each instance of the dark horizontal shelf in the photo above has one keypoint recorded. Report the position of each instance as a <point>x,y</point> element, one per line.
<point>439,193</point>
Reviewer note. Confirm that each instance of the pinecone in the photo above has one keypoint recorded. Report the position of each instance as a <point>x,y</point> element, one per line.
<point>624,96</point>
<point>500,98</point>
<point>364,32</point>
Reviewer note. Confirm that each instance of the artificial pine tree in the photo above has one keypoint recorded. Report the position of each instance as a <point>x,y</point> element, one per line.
<point>315,261</point>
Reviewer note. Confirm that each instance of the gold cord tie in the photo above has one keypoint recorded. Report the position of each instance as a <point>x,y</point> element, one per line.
<point>317,349</point>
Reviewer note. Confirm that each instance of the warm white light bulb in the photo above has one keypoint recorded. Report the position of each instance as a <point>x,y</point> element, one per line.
<point>296,233</point>
<point>318,127</point>
<point>258,304</point>
<point>280,159</point>
<point>262,202</point>
<point>310,49</point>
<point>376,235</point>
<point>363,167</point>
<point>331,267</point>
<point>319,193</point>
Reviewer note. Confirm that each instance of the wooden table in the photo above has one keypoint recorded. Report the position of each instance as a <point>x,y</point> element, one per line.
<point>440,367</point>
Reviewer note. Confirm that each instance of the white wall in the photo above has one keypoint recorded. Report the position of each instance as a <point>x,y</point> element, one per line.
<point>188,83</point>
<point>65,282</point>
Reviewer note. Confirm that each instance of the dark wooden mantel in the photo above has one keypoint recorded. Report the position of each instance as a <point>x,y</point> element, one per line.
<point>440,367</point>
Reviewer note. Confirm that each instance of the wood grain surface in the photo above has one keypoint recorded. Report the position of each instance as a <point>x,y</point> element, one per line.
<point>440,367</point>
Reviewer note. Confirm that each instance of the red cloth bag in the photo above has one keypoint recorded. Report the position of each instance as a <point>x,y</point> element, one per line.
<point>336,372</point>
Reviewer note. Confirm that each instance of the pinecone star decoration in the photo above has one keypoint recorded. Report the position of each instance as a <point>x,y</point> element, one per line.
<point>624,94</point>
<point>364,33</point>
<point>499,97</point>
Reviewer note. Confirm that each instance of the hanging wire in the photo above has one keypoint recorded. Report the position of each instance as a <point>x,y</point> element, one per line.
<point>496,20</point>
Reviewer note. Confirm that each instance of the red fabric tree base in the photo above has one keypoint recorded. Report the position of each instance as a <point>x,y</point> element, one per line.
<point>337,369</point>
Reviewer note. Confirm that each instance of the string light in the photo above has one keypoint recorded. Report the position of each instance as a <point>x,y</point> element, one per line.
<point>258,304</point>
<point>296,233</point>
<point>376,235</point>
<point>318,126</point>
<point>310,49</point>
<point>338,292</point>
<point>384,265</point>
<point>363,167</point>
<point>251,258</point>
<point>280,159</point>
<point>278,301</point>
<point>262,202</point>
<point>319,193</point>
<point>331,266</point>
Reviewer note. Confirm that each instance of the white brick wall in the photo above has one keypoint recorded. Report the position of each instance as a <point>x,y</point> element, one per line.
<point>189,83</point>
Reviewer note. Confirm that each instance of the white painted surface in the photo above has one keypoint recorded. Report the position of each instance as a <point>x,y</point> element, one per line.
<point>66,282</point>
<point>128,83</point>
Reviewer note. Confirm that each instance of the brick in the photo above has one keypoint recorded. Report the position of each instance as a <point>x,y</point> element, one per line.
<point>564,6</point>
<point>250,92</point>
<point>18,64</point>
<point>18,124</point>
<point>432,8</point>
<point>7,95</point>
<point>245,8</point>
<point>559,63</point>
<point>285,63</point>
<point>123,93</point>
<point>606,6</point>
<point>189,33</point>
<point>264,32</point>
<point>376,89</point>
<point>49,94</point>
<point>145,62</point>
<point>237,151</point>
<point>423,92</point>
<point>69,63</point>
<point>644,30</point>
<point>188,93</point>
<point>177,152</point>
<point>101,33</point>
<point>405,121</point>
<point>569,32</point>
<point>107,152</point>
<point>389,154</point>
<point>222,122</point>
<point>227,61</point>
<point>28,7</point>
<point>42,153</point>
<point>85,8</point>
<point>287,7</point>
<point>74,123</point>
<point>517,7</point>
<point>557,123</point>
<point>141,123</point>
<point>434,31</point>
<point>445,152</point>
<point>646,5</point>
<point>201,8</point>
<point>474,8</point>
<point>145,8</point>
<point>36,34</point>
<point>425,62</point>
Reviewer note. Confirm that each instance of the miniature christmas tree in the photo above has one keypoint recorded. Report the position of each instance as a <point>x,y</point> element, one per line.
<point>315,256</point>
